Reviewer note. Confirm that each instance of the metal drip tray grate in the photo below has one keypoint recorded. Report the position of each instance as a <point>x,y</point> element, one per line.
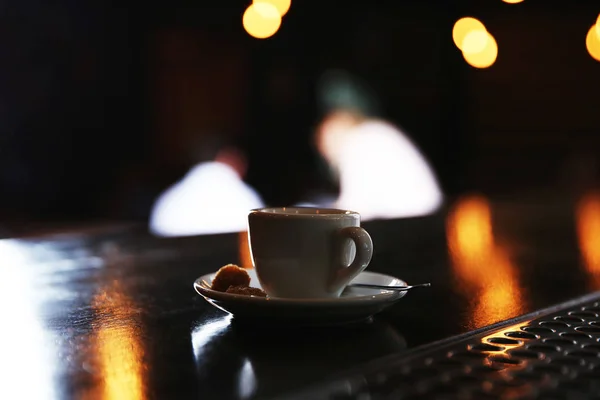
<point>550,354</point>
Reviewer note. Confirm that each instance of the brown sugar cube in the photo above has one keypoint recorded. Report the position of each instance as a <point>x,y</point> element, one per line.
<point>230,275</point>
<point>246,290</point>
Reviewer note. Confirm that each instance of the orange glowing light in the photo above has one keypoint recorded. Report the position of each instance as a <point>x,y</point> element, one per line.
<point>282,6</point>
<point>470,230</point>
<point>483,267</point>
<point>598,27</point>
<point>500,292</point>
<point>120,352</point>
<point>512,1</point>
<point>592,42</point>
<point>588,233</point>
<point>463,27</point>
<point>484,58</point>
<point>244,254</point>
<point>261,20</point>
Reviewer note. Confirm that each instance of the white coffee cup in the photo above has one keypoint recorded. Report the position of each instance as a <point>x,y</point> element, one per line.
<point>305,252</point>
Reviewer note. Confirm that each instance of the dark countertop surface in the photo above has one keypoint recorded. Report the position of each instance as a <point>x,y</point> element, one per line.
<point>112,314</point>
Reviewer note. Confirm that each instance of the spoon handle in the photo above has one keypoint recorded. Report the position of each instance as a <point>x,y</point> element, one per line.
<point>400,288</point>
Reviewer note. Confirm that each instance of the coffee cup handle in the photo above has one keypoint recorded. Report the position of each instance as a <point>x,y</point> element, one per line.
<point>364,252</point>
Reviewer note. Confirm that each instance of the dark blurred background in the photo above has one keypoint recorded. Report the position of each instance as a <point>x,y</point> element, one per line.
<point>102,103</point>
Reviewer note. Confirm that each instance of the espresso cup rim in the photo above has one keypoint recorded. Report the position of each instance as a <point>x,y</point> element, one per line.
<point>324,212</point>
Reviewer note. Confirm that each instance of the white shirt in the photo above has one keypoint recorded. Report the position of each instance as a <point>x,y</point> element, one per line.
<point>383,174</point>
<point>210,199</point>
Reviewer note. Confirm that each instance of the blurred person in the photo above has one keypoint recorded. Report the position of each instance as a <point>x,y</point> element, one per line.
<point>211,198</point>
<point>380,171</point>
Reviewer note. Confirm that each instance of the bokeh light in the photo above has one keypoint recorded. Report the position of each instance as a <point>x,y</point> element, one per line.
<point>484,58</point>
<point>261,20</point>
<point>475,41</point>
<point>463,27</point>
<point>598,27</point>
<point>282,6</point>
<point>512,1</point>
<point>592,43</point>
<point>470,235</point>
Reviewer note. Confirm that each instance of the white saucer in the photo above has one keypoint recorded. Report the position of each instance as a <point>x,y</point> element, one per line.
<point>355,304</point>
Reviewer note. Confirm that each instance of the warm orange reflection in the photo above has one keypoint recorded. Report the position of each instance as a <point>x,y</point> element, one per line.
<point>588,233</point>
<point>119,351</point>
<point>470,235</point>
<point>483,267</point>
<point>501,334</point>
<point>501,295</point>
<point>244,250</point>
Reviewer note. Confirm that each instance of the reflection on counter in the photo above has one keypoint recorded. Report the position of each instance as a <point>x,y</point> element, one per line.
<point>117,341</point>
<point>502,334</point>
<point>246,380</point>
<point>470,237</point>
<point>588,234</point>
<point>236,359</point>
<point>203,334</point>
<point>500,296</point>
<point>25,345</point>
<point>242,381</point>
<point>483,268</point>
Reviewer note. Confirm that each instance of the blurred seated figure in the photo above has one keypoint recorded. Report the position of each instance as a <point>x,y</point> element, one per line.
<point>211,198</point>
<point>381,173</point>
